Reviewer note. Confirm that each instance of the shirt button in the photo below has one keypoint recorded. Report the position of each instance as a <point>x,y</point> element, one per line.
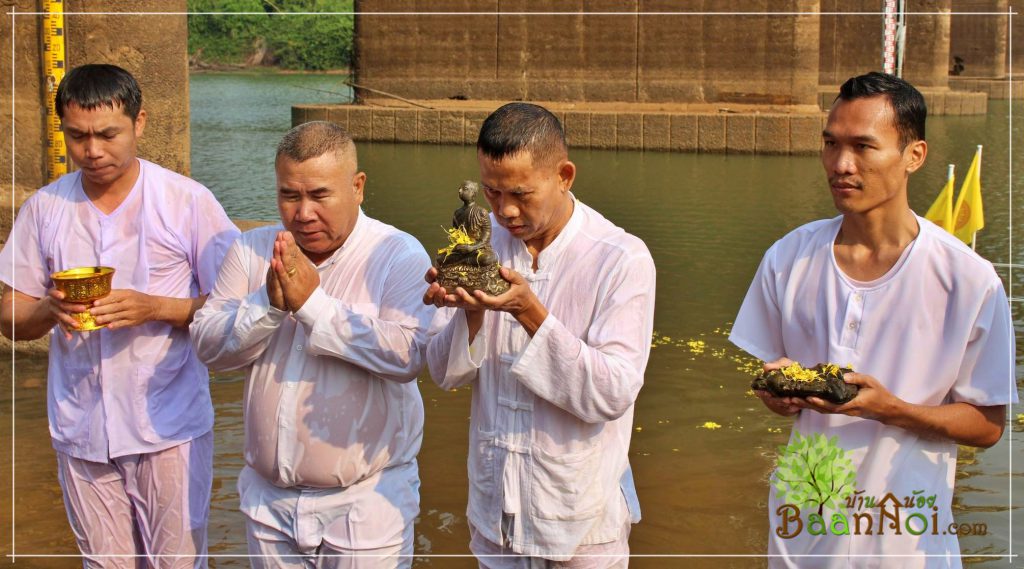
<point>858,297</point>
<point>853,326</point>
<point>299,347</point>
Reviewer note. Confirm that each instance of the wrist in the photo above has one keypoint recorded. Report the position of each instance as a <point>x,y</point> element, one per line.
<point>531,316</point>
<point>894,413</point>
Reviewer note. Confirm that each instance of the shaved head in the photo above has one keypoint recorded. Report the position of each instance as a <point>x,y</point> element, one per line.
<point>313,139</point>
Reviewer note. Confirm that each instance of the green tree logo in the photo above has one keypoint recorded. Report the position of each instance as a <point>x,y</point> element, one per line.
<point>814,471</point>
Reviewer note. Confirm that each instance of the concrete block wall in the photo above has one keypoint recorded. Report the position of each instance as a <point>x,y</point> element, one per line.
<point>620,57</point>
<point>996,89</point>
<point>734,133</point>
<point>939,101</point>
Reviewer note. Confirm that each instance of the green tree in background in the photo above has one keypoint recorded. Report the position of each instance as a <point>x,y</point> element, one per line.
<point>309,42</point>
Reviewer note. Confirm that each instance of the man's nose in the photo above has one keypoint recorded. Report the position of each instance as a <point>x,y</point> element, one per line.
<point>93,148</point>
<point>840,161</point>
<point>306,211</point>
<point>508,210</point>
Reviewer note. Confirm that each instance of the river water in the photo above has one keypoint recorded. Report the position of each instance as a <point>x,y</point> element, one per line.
<point>707,220</point>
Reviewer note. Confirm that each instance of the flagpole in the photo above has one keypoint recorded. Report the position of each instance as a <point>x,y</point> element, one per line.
<point>950,222</point>
<point>974,236</point>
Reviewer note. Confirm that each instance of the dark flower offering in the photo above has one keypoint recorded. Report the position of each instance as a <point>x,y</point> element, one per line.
<point>824,381</point>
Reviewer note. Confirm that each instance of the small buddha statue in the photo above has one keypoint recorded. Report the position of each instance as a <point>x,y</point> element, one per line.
<point>475,222</point>
<point>469,261</point>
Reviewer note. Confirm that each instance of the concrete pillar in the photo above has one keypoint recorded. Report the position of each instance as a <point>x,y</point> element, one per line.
<point>1018,43</point>
<point>726,58</point>
<point>852,44</point>
<point>980,41</point>
<point>155,50</point>
<point>427,57</point>
<point>569,58</point>
<point>927,51</point>
<point>29,114</point>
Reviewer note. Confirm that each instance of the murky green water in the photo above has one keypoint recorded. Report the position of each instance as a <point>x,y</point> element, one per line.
<point>707,220</point>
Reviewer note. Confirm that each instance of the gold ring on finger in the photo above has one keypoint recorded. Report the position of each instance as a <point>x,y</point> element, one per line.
<point>291,271</point>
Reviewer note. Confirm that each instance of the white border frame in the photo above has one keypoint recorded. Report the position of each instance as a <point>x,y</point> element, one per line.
<point>1010,556</point>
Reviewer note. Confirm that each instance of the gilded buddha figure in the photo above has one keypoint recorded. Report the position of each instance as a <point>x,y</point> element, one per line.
<point>469,261</point>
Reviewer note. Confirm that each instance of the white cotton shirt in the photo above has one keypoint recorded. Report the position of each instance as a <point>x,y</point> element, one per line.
<point>330,399</point>
<point>934,329</point>
<point>112,393</point>
<point>552,416</point>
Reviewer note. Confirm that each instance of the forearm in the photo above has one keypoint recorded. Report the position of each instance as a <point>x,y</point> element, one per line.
<point>177,312</point>
<point>229,334</point>
<point>25,319</point>
<point>596,384</point>
<point>532,317</point>
<point>386,342</point>
<point>449,357</point>
<point>961,423</point>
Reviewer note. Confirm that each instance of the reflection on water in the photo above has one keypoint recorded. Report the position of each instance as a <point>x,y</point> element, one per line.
<point>707,220</point>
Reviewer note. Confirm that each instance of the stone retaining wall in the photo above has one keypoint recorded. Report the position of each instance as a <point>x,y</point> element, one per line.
<point>742,133</point>
<point>939,101</point>
<point>996,89</point>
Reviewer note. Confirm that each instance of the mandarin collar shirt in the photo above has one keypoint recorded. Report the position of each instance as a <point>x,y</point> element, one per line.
<point>552,415</point>
<point>934,329</point>
<point>330,398</point>
<point>113,393</point>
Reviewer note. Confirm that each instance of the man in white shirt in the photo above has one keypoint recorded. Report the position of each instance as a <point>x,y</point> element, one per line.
<point>921,318</point>
<point>326,310</point>
<point>555,363</point>
<point>129,404</point>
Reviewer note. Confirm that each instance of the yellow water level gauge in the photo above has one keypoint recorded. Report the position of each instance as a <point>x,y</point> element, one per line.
<point>53,70</point>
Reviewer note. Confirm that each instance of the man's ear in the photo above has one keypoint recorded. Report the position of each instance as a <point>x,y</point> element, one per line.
<point>566,175</point>
<point>915,152</point>
<point>358,183</point>
<point>140,123</point>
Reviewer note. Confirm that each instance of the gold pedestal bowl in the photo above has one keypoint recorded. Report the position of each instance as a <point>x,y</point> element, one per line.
<point>84,285</point>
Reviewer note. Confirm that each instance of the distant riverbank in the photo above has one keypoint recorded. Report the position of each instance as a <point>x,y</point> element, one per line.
<point>218,67</point>
<point>293,35</point>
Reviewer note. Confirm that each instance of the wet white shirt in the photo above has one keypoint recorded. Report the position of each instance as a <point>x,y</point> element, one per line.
<point>552,416</point>
<point>113,393</point>
<point>330,399</point>
<point>934,329</point>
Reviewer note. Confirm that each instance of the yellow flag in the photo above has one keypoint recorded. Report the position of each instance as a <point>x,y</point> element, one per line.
<point>941,211</point>
<point>968,215</point>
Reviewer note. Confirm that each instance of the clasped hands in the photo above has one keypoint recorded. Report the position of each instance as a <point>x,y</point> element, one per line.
<point>291,278</point>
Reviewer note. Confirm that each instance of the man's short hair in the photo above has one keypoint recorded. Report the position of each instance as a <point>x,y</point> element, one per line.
<point>908,106</point>
<point>313,139</point>
<point>99,85</point>
<point>519,127</point>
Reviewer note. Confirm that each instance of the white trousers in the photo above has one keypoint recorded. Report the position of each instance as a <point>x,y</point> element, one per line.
<point>141,510</point>
<point>611,555</point>
<point>368,525</point>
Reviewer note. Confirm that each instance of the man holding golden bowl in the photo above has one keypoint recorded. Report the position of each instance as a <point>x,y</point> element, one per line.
<point>129,404</point>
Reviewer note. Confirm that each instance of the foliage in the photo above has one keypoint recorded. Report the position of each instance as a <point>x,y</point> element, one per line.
<point>814,472</point>
<point>311,42</point>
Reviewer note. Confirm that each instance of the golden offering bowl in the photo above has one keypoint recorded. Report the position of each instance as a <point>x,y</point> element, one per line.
<point>84,285</point>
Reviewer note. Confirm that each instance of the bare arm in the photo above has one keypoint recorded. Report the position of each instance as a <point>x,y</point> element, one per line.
<point>960,422</point>
<point>125,307</point>
<point>24,317</point>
